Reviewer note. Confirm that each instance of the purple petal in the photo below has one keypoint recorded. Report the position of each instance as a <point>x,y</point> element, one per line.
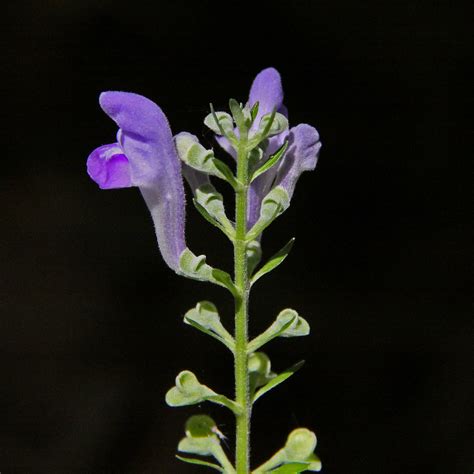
<point>224,143</point>
<point>267,91</point>
<point>145,135</point>
<point>302,155</point>
<point>146,140</point>
<point>109,167</point>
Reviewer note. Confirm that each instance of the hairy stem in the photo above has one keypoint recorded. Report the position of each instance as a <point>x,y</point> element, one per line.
<point>241,312</point>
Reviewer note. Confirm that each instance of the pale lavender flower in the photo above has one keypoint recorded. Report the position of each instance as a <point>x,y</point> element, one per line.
<point>144,156</point>
<point>303,141</point>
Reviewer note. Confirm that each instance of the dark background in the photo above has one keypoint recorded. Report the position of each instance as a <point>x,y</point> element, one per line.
<point>91,318</point>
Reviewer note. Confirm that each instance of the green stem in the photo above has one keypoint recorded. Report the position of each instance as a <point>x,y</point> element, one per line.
<point>241,311</point>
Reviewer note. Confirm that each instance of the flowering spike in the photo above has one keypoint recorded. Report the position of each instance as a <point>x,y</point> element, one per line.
<point>269,160</point>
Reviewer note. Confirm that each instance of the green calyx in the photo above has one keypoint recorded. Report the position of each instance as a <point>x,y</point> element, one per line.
<point>296,456</point>
<point>189,391</point>
<point>202,438</point>
<point>287,324</point>
<point>205,318</point>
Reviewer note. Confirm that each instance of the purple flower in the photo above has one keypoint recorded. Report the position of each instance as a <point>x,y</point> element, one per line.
<point>303,141</point>
<point>301,155</point>
<point>144,156</point>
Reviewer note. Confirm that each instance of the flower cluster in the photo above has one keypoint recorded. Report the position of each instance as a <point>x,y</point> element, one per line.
<point>146,155</point>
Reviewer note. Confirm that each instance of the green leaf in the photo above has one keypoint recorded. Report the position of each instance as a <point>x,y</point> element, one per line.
<point>200,463</point>
<point>273,160</point>
<point>277,380</point>
<point>274,261</point>
<point>254,110</point>
<point>226,173</point>
<point>237,113</point>
<point>291,468</point>
<point>266,123</point>
<point>224,279</point>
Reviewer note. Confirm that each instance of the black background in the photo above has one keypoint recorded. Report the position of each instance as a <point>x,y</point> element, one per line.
<point>91,318</point>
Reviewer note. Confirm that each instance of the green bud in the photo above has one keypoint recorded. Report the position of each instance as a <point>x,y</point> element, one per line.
<point>254,255</point>
<point>199,158</point>
<point>206,318</point>
<point>260,363</point>
<point>188,391</point>
<point>255,158</point>
<point>290,324</point>
<point>223,119</point>
<point>200,426</point>
<point>202,437</point>
<point>195,267</point>
<point>272,126</point>
<point>287,324</point>
<point>193,153</point>
<point>205,314</point>
<point>273,205</point>
<point>259,367</point>
<point>300,444</point>
<point>213,202</point>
